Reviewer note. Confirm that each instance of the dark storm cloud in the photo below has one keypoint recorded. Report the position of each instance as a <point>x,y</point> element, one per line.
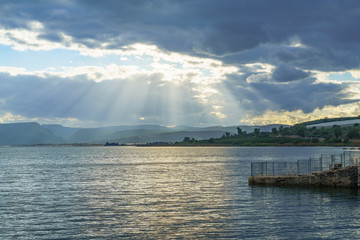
<point>286,73</point>
<point>306,95</point>
<point>328,29</point>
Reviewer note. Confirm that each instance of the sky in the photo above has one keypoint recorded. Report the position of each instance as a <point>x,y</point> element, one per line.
<point>91,63</point>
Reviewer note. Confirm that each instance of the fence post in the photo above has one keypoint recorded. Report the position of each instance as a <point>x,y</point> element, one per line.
<point>273,169</point>
<point>297,166</point>
<point>321,164</point>
<point>266,173</point>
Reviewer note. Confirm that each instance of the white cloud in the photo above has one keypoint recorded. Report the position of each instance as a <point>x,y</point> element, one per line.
<point>29,39</point>
<point>12,71</point>
<point>355,73</point>
<point>9,117</point>
<point>260,67</point>
<point>219,115</point>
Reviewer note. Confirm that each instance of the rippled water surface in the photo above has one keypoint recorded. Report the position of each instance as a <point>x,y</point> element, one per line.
<point>163,193</point>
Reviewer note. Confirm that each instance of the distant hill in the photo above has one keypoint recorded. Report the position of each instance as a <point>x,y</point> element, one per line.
<point>34,133</point>
<point>26,133</point>
<point>61,131</point>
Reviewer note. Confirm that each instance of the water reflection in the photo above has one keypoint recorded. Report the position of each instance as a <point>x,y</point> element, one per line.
<point>178,200</point>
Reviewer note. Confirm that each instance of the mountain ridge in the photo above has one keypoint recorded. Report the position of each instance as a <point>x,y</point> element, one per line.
<point>32,133</point>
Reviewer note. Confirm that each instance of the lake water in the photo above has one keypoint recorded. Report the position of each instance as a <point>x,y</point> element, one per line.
<point>164,193</point>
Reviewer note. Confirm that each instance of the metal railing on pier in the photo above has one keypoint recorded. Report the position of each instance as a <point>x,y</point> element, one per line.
<point>306,166</point>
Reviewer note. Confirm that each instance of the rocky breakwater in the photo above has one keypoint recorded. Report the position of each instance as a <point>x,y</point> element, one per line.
<point>347,177</point>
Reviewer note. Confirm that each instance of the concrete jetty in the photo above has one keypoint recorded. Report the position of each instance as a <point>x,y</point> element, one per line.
<point>347,177</point>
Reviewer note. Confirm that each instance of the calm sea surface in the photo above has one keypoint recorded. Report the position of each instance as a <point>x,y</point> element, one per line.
<point>163,193</point>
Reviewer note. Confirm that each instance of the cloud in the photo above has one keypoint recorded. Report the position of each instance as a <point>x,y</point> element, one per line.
<point>298,116</point>
<point>266,56</point>
<point>211,27</point>
<point>9,117</point>
<point>286,73</point>
<point>230,27</point>
<point>305,95</point>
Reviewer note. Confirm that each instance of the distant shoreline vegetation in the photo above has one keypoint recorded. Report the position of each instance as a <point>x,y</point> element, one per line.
<point>297,135</point>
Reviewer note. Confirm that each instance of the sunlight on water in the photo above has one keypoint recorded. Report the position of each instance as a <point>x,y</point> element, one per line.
<point>162,193</point>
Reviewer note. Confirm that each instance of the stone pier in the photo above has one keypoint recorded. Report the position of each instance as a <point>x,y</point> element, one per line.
<point>342,177</point>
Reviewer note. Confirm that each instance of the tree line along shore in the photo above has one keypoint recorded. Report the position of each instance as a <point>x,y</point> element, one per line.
<point>297,135</point>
